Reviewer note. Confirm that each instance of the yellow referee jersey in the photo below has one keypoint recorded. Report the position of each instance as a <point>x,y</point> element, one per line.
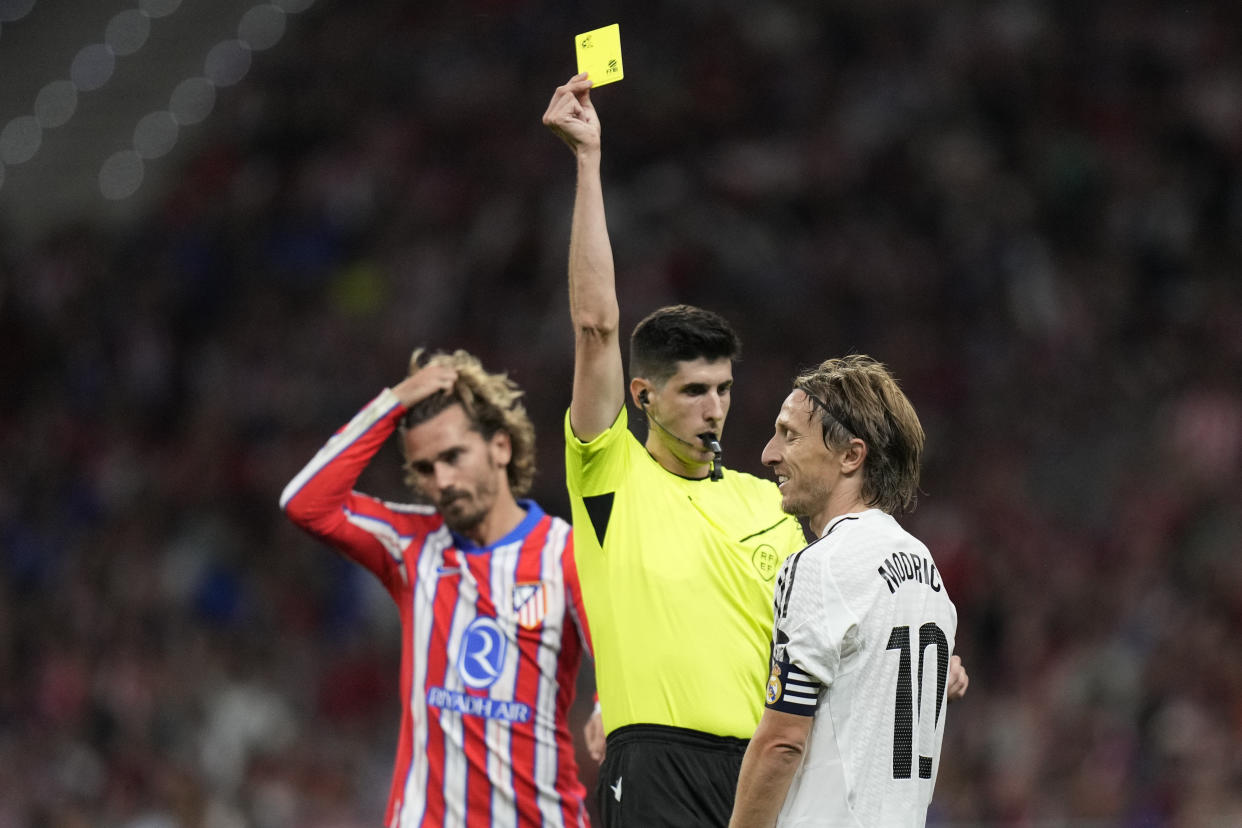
<point>678,579</point>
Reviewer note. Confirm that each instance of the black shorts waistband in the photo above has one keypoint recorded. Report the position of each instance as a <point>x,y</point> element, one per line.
<point>668,734</point>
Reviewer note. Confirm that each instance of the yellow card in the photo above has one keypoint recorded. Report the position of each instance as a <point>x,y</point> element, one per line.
<point>599,54</point>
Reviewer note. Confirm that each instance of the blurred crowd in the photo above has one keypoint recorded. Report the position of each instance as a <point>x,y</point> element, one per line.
<point>1031,211</point>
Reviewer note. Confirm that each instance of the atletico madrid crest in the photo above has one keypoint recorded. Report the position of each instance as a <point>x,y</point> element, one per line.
<point>530,602</point>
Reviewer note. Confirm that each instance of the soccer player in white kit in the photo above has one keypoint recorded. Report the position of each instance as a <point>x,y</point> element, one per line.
<point>863,630</point>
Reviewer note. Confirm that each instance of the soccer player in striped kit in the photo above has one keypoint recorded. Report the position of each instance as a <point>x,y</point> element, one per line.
<point>493,628</point>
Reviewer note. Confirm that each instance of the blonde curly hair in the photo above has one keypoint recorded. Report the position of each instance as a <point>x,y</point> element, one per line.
<point>492,403</point>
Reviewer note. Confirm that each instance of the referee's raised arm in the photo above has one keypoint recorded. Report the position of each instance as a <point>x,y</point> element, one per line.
<point>599,378</point>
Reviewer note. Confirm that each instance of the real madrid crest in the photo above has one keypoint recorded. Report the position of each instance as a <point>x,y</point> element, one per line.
<point>774,689</point>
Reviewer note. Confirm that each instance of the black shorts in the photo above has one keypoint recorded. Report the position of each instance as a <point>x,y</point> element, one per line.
<point>656,775</point>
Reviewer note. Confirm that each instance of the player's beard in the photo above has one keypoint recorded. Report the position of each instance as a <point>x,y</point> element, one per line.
<point>803,499</point>
<point>464,510</point>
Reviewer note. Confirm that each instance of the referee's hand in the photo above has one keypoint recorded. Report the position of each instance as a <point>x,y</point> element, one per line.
<point>571,115</point>
<point>593,734</point>
<point>958,680</point>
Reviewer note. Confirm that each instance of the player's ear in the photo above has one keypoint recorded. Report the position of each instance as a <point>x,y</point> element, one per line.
<point>500,447</point>
<point>854,456</point>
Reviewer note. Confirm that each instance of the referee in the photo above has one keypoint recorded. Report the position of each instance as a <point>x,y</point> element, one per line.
<point>677,555</point>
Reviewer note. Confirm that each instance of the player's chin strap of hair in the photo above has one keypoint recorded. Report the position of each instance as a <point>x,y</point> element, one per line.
<point>843,420</point>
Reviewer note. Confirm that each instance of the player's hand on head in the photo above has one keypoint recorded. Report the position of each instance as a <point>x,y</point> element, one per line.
<point>423,383</point>
<point>958,680</point>
<point>571,115</point>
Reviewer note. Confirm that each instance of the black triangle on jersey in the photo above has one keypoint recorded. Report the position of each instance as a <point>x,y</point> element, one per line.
<point>599,508</point>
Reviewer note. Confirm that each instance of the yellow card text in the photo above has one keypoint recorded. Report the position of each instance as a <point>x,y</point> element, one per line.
<point>599,54</point>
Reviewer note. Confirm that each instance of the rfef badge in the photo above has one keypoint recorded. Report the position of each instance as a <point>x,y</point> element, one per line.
<point>765,561</point>
<point>599,54</point>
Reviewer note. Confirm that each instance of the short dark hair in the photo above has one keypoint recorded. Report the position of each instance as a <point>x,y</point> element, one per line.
<point>679,333</point>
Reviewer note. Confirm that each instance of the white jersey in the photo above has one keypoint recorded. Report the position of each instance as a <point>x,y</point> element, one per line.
<point>862,636</point>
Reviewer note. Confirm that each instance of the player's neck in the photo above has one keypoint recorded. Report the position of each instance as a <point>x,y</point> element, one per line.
<point>503,518</point>
<point>838,504</point>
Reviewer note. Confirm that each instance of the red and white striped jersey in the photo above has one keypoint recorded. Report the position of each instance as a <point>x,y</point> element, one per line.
<point>491,642</point>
